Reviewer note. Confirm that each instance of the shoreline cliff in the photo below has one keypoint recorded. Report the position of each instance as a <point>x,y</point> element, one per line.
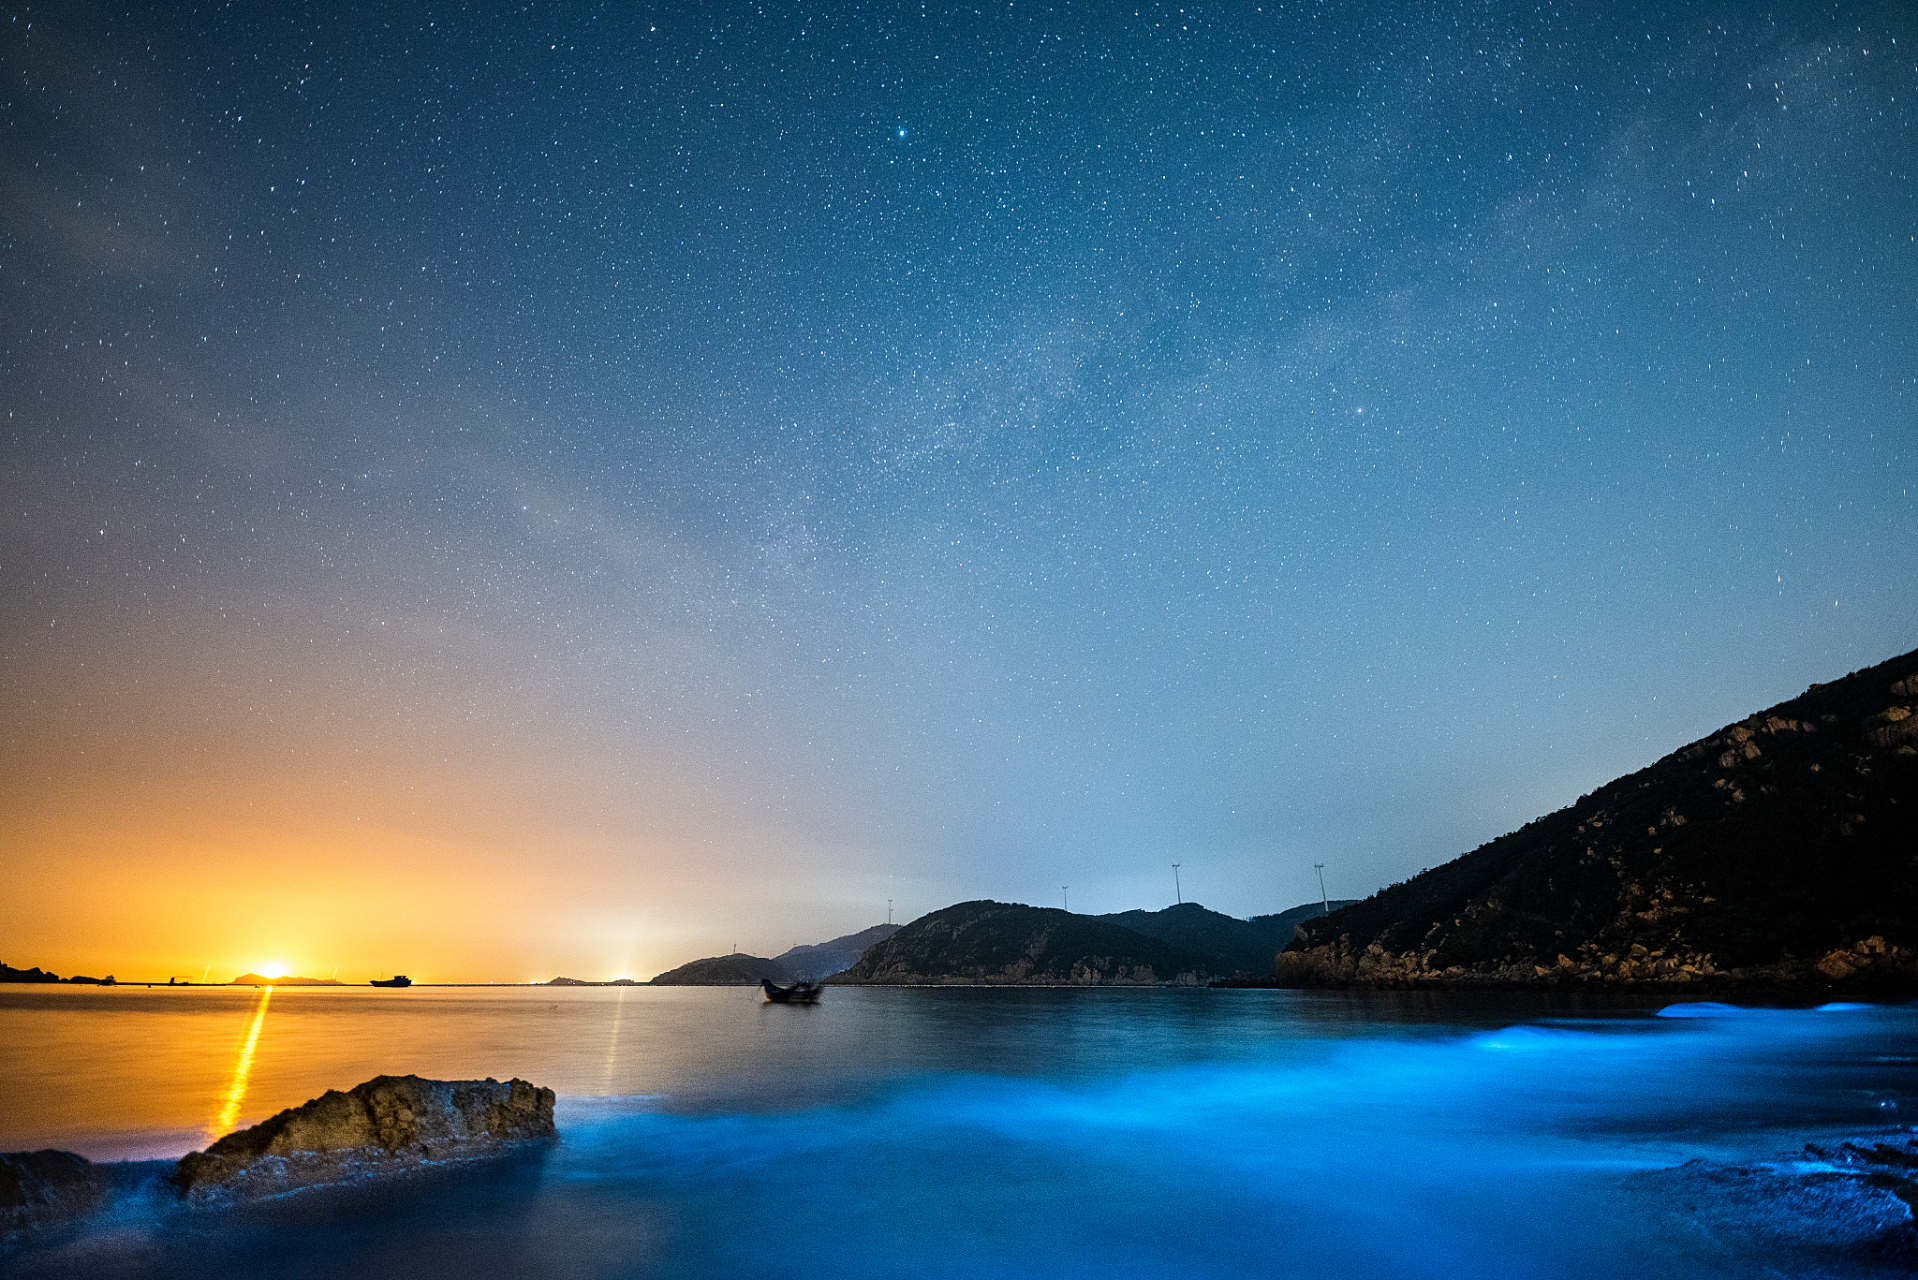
<point>1776,855</point>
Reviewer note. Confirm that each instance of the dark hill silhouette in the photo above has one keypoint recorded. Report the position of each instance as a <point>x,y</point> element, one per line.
<point>735,970</point>
<point>256,980</point>
<point>1780,852</point>
<point>824,958</point>
<point>1285,924</point>
<point>1226,946</point>
<point>36,974</point>
<point>1007,943</point>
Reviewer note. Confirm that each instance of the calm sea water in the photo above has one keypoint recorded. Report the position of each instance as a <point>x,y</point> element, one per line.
<point>961,1132</point>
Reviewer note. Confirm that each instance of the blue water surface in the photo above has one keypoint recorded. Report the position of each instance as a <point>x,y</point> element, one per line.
<point>989,1133</point>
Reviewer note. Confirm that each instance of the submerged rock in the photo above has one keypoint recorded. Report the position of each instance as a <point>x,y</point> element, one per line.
<point>43,1188</point>
<point>389,1124</point>
<point>1849,1200</point>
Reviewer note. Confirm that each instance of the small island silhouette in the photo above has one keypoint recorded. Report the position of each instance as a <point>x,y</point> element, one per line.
<point>36,974</point>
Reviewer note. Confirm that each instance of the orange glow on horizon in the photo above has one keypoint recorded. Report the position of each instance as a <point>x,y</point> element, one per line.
<point>147,890</point>
<point>163,902</point>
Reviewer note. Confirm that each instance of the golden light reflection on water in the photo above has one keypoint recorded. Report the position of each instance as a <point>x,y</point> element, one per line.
<point>242,1069</point>
<point>133,1074</point>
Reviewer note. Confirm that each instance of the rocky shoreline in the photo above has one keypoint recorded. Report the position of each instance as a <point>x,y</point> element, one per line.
<point>388,1126</point>
<point>1849,1201</point>
<point>1838,1205</point>
<point>1870,966</point>
<point>1774,857</point>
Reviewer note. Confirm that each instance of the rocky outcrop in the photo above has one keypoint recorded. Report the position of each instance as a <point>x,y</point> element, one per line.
<point>40,1189</point>
<point>725,971</point>
<point>1008,944</point>
<point>1850,1200</point>
<point>389,1124</point>
<point>1777,854</point>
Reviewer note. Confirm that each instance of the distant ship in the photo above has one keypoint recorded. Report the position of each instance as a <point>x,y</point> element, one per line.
<point>397,980</point>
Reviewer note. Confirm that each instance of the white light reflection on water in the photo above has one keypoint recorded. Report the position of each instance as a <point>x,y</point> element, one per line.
<point>612,1039</point>
<point>982,1134</point>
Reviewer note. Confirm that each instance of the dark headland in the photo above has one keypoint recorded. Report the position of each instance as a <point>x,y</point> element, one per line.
<point>821,959</point>
<point>36,974</point>
<point>1777,855</point>
<point>1004,943</point>
<point>810,962</point>
<point>736,970</point>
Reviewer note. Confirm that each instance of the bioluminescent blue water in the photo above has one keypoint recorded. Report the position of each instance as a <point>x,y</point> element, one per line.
<point>1068,1134</point>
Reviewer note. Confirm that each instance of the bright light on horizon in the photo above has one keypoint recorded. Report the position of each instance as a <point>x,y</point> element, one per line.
<point>272,969</point>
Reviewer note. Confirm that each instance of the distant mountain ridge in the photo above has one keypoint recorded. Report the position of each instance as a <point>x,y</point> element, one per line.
<point>1286,923</point>
<point>826,958</point>
<point>1010,943</point>
<point>255,980</point>
<point>811,962</point>
<point>36,974</point>
<point>736,970</point>
<point>1000,943</point>
<point>1778,852</point>
<point>1222,945</point>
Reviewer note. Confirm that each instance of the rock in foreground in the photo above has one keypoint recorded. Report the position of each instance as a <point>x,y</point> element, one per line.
<point>41,1188</point>
<point>389,1124</point>
<point>1832,1203</point>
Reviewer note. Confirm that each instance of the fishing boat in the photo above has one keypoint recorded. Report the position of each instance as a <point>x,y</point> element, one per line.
<point>397,980</point>
<point>797,993</point>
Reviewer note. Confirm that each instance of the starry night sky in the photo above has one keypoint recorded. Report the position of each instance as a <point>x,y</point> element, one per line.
<point>497,491</point>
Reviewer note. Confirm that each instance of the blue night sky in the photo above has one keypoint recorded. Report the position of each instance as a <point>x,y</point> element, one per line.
<point>498,491</point>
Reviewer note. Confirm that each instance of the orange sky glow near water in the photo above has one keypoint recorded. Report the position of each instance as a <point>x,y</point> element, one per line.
<point>188,851</point>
